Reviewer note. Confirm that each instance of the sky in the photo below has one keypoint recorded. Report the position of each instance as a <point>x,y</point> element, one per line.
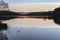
<point>32,5</point>
<point>31,1</point>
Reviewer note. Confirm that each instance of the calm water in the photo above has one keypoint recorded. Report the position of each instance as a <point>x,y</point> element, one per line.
<point>32,29</point>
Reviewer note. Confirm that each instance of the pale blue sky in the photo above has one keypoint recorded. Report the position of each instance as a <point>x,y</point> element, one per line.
<point>31,1</point>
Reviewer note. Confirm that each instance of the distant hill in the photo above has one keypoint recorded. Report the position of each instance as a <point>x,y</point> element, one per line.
<point>9,13</point>
<point>39,13</point>
<point>6,15</point>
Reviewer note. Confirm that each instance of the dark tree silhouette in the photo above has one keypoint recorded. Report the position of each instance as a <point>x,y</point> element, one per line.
<point>57,15</point>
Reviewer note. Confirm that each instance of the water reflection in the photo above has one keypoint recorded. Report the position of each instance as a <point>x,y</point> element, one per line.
<point>3,36</point>
<point>3,26</point>
<point>32,29</point>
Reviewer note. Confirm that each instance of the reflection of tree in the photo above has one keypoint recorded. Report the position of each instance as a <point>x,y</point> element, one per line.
<point>3,36</point>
